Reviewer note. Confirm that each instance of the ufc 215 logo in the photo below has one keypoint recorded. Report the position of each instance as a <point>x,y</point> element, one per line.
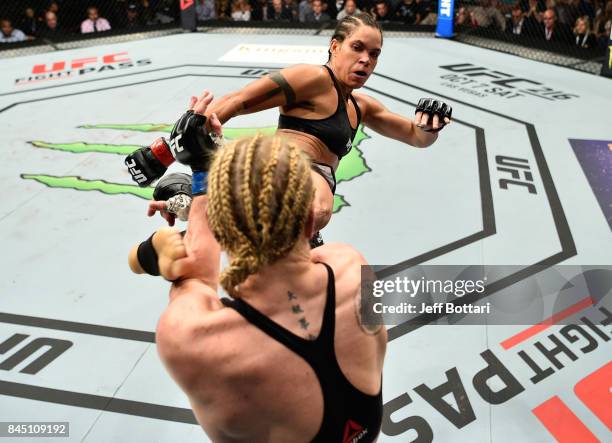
<point>136,173</point>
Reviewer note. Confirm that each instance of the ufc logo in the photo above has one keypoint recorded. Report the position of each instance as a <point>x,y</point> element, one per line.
<point>54,348</point>
<point>514,167</point>
<point>175,146</point>
<point>137,174</point>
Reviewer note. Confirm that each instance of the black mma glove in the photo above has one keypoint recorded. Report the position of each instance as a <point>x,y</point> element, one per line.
<point>432,106</point>
<point>171,185</point>
<point>148,163</point>
<point>191,145</point>
<point>175,189</point>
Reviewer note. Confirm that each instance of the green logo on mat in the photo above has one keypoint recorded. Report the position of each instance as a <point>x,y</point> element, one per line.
<point>351,166</point>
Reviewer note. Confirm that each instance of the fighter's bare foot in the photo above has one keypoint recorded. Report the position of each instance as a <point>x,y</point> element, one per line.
<point>168,243</point>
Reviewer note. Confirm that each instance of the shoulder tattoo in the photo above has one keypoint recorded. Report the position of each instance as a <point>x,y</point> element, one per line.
<point>283,87</point>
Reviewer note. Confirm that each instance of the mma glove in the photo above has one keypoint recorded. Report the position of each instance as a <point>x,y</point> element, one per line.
<point>431,106</point>
<point>191,145</point>
<point>149,163</point>
<point>175,189</point>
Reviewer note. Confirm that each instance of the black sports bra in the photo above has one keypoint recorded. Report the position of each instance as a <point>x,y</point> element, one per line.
<point>334,131</point>
<point>349,415</point>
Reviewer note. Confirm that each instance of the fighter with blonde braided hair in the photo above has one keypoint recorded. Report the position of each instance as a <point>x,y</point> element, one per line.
<point>287,358</point>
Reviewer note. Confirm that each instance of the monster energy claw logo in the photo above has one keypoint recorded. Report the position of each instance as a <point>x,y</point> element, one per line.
<point>353,165</point>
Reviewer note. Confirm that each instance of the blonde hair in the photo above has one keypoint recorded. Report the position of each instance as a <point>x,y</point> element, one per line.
<point>586,21</point>
<point>260,192</point>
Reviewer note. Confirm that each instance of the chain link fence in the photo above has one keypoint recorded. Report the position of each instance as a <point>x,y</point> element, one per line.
<point>571,33</point>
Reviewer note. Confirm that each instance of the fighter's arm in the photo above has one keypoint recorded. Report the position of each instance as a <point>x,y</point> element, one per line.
<point>377,117</point>
<point>353,274</point>
<point>287,87</point>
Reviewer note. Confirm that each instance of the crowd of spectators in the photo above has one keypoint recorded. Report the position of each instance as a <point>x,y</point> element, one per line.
<point>579,23</point>
<point>583,23</point>
<point>49,19</point>
<point>317,11</point>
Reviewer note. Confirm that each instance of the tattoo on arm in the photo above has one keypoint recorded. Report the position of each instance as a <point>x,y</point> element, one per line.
<point>260,99</point>
<point>367,328</point>
<point>283,87</point>
<point>277,78</point>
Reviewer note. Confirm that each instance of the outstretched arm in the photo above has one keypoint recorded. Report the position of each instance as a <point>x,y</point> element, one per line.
<point>287,87</point>
<point>377,117</point>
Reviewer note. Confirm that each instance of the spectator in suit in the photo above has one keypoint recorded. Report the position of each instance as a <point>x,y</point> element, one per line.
<point>516,23</point>
<point>553,31</point>
<point>51,29</point>
<point>93,22</point>
<point>317,15</point>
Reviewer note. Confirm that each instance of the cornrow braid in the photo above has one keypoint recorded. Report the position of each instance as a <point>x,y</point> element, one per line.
<point>274,174</point>
<point>347,25</point>
<point>266,191</point>
<point>246,191</point>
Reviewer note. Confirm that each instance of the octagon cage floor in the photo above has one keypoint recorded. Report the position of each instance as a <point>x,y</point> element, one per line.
<point>522,177</point>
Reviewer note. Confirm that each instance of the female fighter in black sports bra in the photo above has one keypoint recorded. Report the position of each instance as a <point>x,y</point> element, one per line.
<point>288,358</point>
<point>320,111</point>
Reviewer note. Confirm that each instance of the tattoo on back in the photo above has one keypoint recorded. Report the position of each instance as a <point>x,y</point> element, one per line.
<point>297,310</point>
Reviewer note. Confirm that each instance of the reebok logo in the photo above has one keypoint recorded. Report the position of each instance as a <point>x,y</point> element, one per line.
<point>353,432</point>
